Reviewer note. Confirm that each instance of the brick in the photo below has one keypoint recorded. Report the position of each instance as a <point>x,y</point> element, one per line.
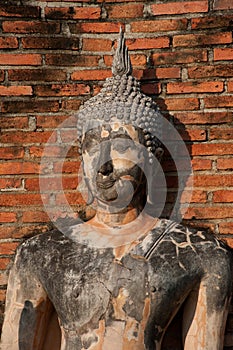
<point>218,101</point>
<point>10,183</point>
<point>221,133</point>
<point>228,335</point>
<point>221,54</point>
<point>187,196</point>
<point>212,149</point>
<point>7,217</point>
<point>18,90</point>
<point>69,135</point>
<point>21,27</point>
<point>72,60</point>
<point>74,198</point>
<point>8,248</point>
<point>2,75</point>
<point>125,11</point>
<point>151,88</point>
<point>32,106</point>
<point>223,196</point>
<point>223,5</point>
<point>71,105</point>
<point>168,165</point>
<point>3,283</point>
<point>163,25</point>
<point>197,196</point>
<point>90,44</point>
<point>226,228</point>
<point>20,59</point>
<point>56,43</point>
<point>179,57</point>
<point>179,7</point>
<point>157,73</point>
<point>19,11</point>
<point>148,43</point>
<point>29,230</point>
<point>72,12</point>
<point>51,183</point>
<point>53,121</point>
<point>36,74</point>
<point>19,199</point>
<point>7,231</point>
<point>4,263</point>
<point>211,22</point>
<point>179,104</point>
<point>193,134</point>
<point>51,151</point>
<point>54,151</point>
<point>11,152</point>
<point>221,70</point>
<point>136,60</point>
<point>201,164</point>
<point>230,86</point>
<point>62,90</point>
<point>68,167</point>
<point>203,118</point>
<point>202,39</point>
<point>35,216</point>
<point>209,213</point>
<point>23,137</point>
<point>8,43</point>
<point>17,168</point>
<point>213,180</point>
<point>225,164</point>
<point>91,74</point>
<point>95,27</point>
<point>14,123</point>
<point>195,87</point>
<point>96,89</point>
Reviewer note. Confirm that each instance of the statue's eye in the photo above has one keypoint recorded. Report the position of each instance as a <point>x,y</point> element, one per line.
<point>122,145</point>
<point>90,145</point>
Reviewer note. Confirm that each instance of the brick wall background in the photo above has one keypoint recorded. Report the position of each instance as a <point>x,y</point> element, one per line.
<point>55,54</point>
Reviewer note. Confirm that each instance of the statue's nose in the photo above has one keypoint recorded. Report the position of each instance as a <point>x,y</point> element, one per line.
<point>106,168</point>
<point>105,162</point>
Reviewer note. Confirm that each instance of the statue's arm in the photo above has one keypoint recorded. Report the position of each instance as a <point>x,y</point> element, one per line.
<point>27,310</point>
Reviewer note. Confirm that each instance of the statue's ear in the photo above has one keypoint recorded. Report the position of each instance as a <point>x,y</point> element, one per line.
<point>84,188</point>
<point>90,197</point>
<point>152,171</point>
<point>159,153</point>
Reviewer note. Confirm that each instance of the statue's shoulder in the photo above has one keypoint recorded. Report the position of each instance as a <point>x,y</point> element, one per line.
<point>38,244</point>
<point>49,242</point>
<point>168,233</point>
<point>178,232</point>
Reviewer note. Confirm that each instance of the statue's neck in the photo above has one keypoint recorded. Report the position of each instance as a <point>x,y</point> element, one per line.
<point>107,217</point>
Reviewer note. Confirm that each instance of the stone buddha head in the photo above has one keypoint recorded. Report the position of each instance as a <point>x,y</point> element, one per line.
<point>119,132</point>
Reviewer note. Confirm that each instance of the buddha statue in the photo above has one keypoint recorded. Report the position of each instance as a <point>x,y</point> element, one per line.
<point>116,281</point>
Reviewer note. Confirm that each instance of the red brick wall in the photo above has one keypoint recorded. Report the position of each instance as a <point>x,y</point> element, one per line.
<point>53,56</point>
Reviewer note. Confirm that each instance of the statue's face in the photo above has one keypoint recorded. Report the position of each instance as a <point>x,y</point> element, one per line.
<point>113,158</point>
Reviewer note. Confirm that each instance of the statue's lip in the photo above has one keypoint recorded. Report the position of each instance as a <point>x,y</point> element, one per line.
<point>127,177</point>
<point>105,184</point>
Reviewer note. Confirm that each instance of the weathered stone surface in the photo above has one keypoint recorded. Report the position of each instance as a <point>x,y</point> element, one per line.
<point>116,281</point>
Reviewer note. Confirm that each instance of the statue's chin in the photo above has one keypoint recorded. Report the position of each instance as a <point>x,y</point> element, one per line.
<point>119,195</point>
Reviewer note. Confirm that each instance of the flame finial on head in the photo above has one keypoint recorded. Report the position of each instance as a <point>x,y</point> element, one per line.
<point>121,62</point>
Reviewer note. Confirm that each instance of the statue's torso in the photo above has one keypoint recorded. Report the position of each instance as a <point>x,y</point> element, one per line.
<point>102,301</point>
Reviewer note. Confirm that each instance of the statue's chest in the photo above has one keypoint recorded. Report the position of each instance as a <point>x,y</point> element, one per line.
<point>87,289</point>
